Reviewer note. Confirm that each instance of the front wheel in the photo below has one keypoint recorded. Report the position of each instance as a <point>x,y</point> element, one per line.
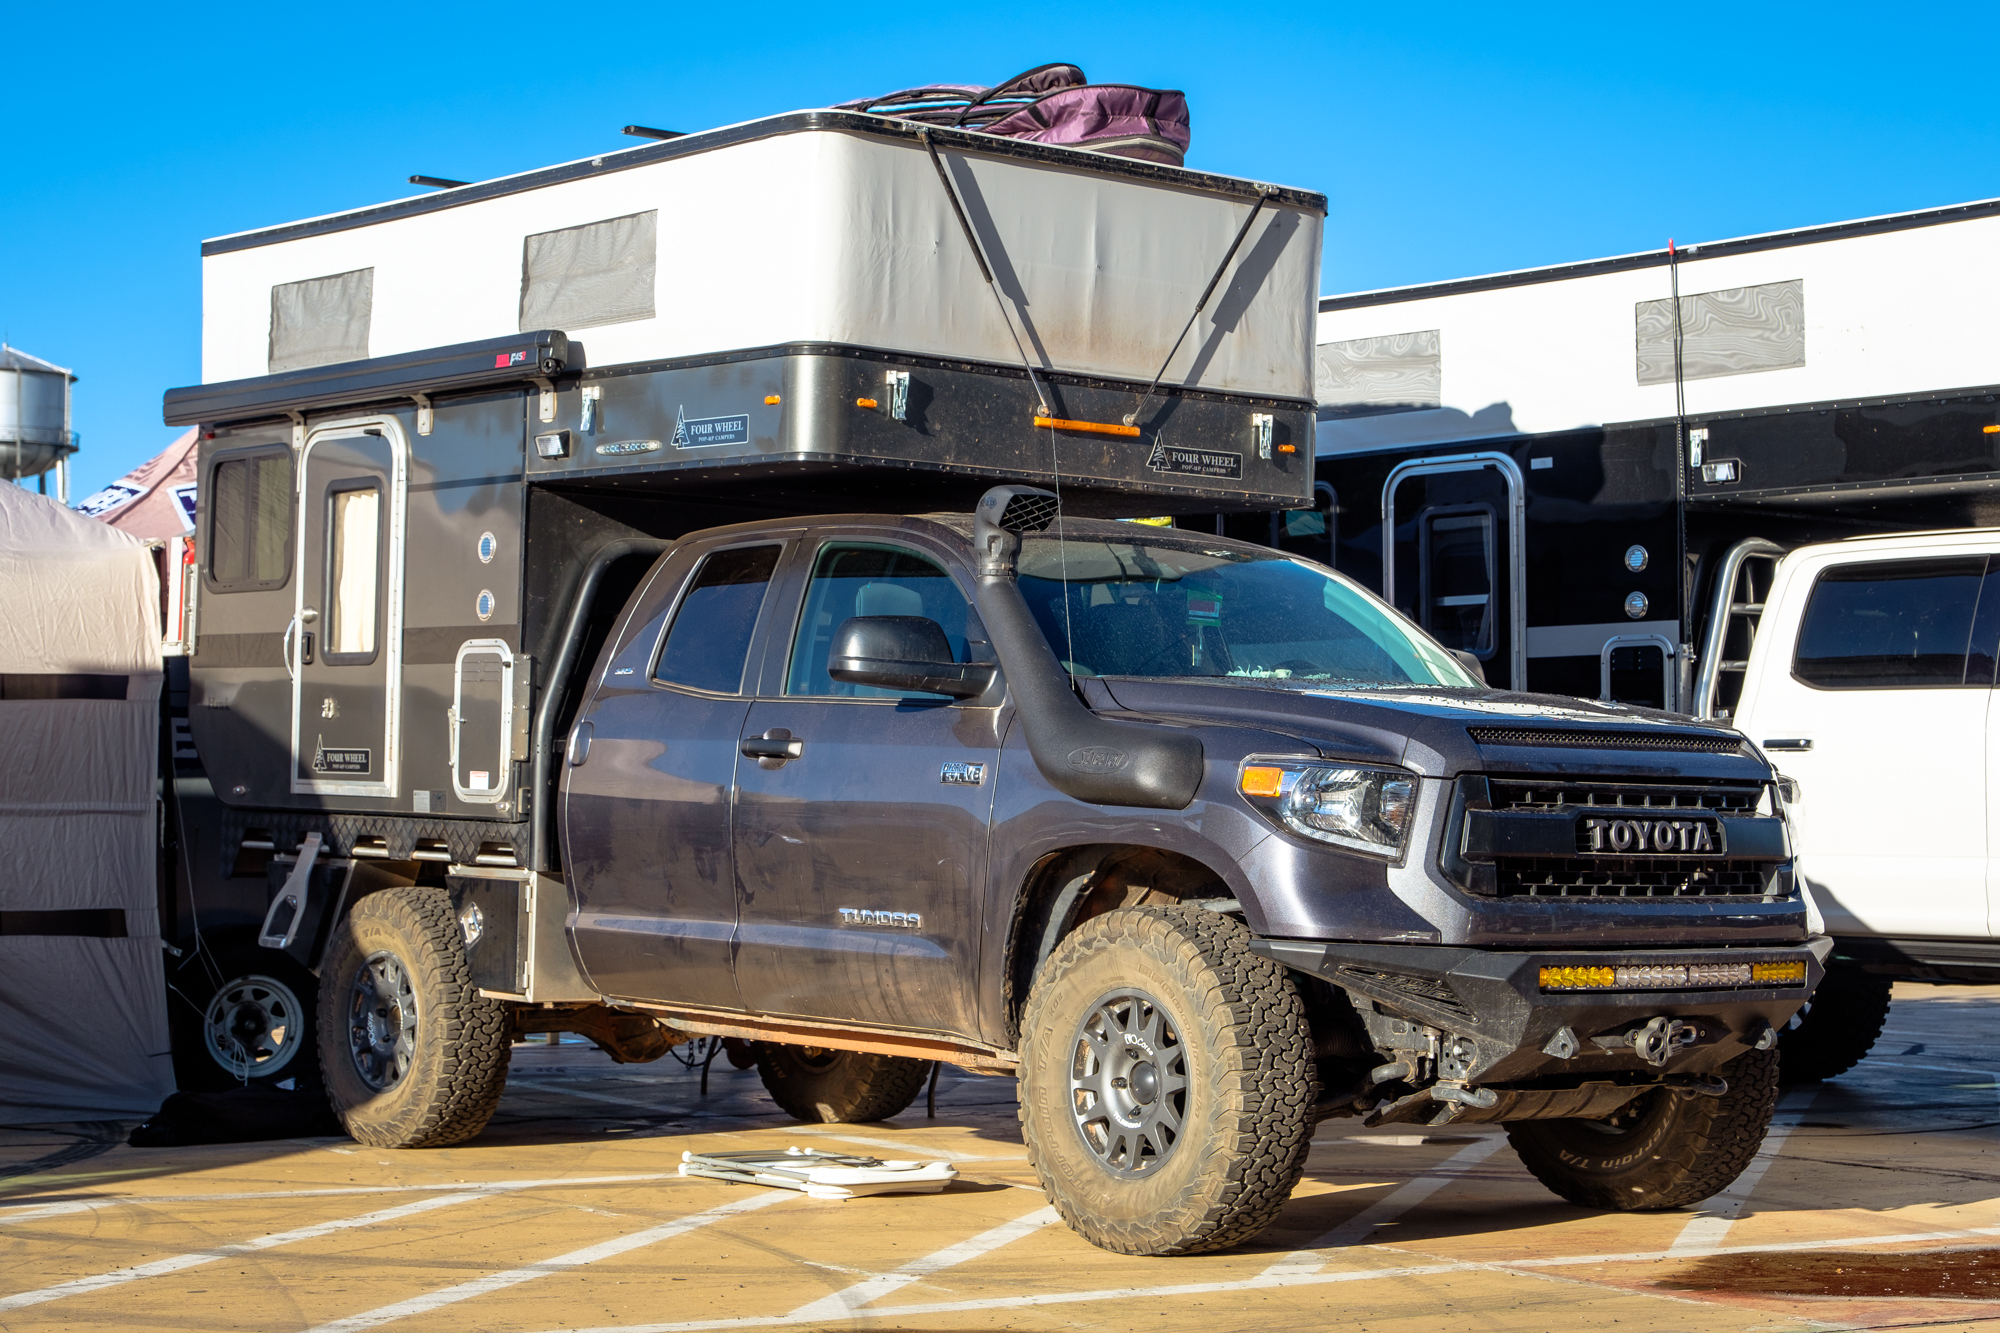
<point>413,1055</point>
<point>1166,1082</point>
<point>1661,1150</point>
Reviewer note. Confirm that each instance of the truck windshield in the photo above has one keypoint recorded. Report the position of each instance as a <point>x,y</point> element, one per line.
<point>1165,608</point>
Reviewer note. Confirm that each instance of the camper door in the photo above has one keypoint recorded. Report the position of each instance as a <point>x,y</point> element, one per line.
<point>344,644</point>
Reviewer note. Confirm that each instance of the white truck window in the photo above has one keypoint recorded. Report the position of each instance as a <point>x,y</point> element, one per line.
<point>1895,624</point>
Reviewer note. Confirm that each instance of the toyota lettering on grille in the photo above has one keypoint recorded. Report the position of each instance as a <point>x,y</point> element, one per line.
<point>1640,837</point>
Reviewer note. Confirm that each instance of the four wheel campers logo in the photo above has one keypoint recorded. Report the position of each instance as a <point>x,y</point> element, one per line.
<point>1194,462</point>
<point>700,432</point>
<point>339,761</point>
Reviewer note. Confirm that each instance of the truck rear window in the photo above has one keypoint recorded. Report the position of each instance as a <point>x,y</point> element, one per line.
<point>710,637</point>
<point>1894,624</point>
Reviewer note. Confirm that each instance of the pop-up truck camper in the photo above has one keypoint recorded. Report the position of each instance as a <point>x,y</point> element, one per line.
<point>671,594</point>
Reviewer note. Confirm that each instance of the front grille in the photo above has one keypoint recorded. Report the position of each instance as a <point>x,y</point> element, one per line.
<point>1556,793</point>
<point>1695,742</point>
<point>1630,877</point>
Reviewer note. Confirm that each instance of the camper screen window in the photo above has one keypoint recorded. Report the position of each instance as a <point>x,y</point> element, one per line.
<point>710,637</point>
<point>1897,624</point>
<point>249,504</point>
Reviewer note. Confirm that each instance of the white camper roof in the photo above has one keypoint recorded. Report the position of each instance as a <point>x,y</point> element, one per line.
<point>819,227</point>
<point>1874,308</point>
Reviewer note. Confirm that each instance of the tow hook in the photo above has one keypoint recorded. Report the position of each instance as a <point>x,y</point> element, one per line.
<point>1656,1042</point>
<point>1464,1096</point>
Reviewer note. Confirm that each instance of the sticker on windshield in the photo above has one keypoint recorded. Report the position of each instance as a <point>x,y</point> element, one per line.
<point>1204,608</point>
<point>1195,462</point>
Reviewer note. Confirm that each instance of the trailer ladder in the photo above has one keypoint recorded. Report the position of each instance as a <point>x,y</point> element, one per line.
<point>1737,598</point>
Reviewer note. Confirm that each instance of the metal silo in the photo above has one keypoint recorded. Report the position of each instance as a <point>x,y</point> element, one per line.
<point>34,419</point>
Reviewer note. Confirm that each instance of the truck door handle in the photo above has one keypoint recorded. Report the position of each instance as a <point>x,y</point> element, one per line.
<point>1794,743</point>
<point>773,748</point>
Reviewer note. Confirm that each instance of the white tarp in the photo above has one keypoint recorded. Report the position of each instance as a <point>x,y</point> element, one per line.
<point>823,236</point>
<point>84,1014</point>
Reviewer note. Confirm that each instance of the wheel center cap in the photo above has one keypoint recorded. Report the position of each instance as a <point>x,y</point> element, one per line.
<point>1145,1083</point>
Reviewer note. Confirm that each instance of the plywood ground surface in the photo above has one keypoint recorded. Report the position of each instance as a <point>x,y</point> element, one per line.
<point>1876,1205</point>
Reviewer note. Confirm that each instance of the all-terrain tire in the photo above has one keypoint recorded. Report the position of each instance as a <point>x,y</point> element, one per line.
<point>1848,1010</point>
<point>412,1054</point>
<point>824,1086</point>
<point>1230,1090</point>
<point>241,1014</point>
<point>1664,1150</point>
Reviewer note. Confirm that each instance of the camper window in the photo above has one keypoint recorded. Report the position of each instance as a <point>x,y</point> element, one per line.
<point>354,531</point>
<point>249,503</point>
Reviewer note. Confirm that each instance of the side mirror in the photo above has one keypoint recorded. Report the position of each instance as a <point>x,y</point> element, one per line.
<point>903,653</point>
<point>1470,663</point>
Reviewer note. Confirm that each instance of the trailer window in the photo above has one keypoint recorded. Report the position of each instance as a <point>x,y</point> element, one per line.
<point>709,640</point>
<point>1457,577</point>
<point>1897,624</point>
<point>354,530</point>
<point>863,579</point>
<point>249,503</point>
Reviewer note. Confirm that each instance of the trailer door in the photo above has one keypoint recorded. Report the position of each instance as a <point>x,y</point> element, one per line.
<point>344,645</point>
<point>1452,557</point>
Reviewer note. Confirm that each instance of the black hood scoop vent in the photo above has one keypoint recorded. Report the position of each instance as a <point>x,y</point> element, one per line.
<point>1607,740</point>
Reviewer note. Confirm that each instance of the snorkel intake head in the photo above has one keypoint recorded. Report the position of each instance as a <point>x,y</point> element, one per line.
<point>1002,515</point>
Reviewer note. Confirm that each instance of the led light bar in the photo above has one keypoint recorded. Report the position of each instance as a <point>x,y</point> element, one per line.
<point>1672,976</point>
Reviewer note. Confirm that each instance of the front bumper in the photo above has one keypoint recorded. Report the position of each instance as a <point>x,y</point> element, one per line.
<point>1502,1028</point>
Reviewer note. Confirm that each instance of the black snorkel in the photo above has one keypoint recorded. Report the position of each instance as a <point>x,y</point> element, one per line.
<point>1081,754</point>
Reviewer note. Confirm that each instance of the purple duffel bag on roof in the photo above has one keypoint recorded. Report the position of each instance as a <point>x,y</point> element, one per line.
<point>1052,104</point>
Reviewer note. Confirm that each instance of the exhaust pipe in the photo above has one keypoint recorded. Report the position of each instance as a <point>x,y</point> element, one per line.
<point>1081,754</point>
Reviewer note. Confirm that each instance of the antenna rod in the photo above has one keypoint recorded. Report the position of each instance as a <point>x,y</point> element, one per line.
<point>438,182</point>
<point>648,132</point>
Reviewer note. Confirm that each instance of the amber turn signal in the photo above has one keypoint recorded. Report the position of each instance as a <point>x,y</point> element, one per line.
<point>1262,781</point>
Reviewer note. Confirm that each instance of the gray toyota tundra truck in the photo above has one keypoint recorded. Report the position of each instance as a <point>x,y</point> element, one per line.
<point>1202,841</point>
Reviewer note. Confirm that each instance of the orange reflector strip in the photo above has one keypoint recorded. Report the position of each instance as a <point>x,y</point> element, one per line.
<point>868,403</point>
<point>772,400</point>
<point>1091,427</point>
<point>1262,781</point>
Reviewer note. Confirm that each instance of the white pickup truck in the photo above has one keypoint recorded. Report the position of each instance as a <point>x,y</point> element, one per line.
<point>1870,686</point>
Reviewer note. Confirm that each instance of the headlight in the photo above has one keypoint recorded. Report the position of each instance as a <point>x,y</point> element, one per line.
<point>1364,809</point>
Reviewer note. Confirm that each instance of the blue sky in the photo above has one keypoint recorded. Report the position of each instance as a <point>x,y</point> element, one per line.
<point>1450,140</point>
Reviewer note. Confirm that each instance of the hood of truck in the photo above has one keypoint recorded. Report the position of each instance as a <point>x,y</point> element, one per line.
<point>1442,732</point>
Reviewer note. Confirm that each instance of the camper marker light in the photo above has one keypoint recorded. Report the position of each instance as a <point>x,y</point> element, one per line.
<point>1362,809</point>
<point>868,403</point>
<point>1088,427</point>
<point>772,400</point>
<point>1989,430</point>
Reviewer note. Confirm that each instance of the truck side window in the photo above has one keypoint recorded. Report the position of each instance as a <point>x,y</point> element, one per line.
<point>868,579</point>
<point>1897,624</point>
<point>249,510</point>
<point>709,640</point>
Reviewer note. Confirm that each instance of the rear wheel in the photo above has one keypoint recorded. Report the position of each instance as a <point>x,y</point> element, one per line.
<point>1846,1017</point>
<point>1661,1150</point>
<point>1166,1082</point>
<point>816,1083</point>
<point>413,1055</point>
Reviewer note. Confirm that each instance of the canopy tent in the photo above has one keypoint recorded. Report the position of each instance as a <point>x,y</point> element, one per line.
<point>154,499</point>
<point>82,996</point>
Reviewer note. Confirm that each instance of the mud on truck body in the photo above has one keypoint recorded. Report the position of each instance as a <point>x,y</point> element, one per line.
<point>773,669</point>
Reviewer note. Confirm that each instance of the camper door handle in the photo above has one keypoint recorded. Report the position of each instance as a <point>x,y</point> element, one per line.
<point>285,647</point>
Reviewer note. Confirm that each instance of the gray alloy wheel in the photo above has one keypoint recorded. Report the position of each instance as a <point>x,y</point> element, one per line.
<point>382,1020</point>
<point>1128,1082</point>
